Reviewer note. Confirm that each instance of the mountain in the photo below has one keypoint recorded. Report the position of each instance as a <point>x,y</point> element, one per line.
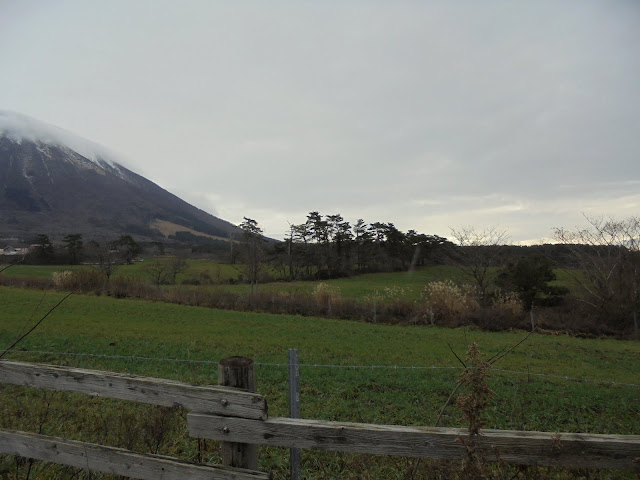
<point>56,183</point>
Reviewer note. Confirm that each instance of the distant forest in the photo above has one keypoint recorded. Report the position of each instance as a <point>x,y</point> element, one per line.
<point>323,247</point>
<point>327,246</point>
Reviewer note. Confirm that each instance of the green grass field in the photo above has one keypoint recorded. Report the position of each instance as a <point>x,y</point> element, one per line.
<point>407,285</point>
<point>218,272</point>
<point>351,371</point>
<point>90,325</point>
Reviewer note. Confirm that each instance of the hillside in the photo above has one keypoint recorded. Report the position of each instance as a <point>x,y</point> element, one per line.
<point>56,183</point>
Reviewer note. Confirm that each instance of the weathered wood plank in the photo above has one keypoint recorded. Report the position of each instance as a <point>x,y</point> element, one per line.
<point>168,393</point>
<point>525,448</point>
<point>115,461</point>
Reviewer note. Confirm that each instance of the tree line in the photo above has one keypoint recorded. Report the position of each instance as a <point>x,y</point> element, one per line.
<point>75,250</point>
<point>603,260</point>
<point>328,246</point>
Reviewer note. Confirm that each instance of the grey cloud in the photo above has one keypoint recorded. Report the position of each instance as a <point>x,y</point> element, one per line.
<point>428,114</point>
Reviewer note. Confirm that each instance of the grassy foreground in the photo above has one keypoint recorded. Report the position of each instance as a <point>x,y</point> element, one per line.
<point>352,372</point>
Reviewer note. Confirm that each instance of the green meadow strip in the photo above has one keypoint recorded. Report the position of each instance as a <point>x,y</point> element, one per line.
<point>351,371</point>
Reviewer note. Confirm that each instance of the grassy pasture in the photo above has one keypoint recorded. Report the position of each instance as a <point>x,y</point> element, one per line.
<point>219,272</point>
<point>338,381</point>
<point>37,271</point>
<point>408,285</point>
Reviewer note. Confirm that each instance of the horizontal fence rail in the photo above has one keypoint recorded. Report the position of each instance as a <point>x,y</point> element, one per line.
<point>115,461</point>
<point>239,417</point>
<point>167,393</point>
<point>524,448</point>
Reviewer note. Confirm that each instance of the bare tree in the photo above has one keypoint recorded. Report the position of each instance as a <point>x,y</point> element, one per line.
<point>479,254</point>
<point>607,253</point>
<point>177,264</point>
<point>105,257</point>
<point>157,271</point>
<point>163,271</point>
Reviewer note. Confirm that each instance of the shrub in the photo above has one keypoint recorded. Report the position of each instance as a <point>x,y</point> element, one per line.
<point>205,277</point>
<point>84,280</point>
<point>26,282</point>
<point>492,320</point>
<point>509,303</point>
<point>61,279</point>
<point>573,316</point>
<point>393,293</point>
<point>124,286</point>
<point>448,300</point>
<point>389,305</point>
<point>327,295</point>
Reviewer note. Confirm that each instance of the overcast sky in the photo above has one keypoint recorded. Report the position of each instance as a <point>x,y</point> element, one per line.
<point>427,114</point>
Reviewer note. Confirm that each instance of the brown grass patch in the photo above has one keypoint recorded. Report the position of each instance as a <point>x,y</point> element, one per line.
<point>168,228</point>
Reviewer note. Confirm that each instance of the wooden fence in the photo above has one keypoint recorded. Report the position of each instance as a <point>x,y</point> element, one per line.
<point>239,419</point>
<point>214,400</point>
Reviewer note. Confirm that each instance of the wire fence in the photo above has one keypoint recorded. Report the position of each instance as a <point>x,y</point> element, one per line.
<point>330,366</point>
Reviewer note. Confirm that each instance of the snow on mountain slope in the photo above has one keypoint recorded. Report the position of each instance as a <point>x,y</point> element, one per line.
<point>54,182</point>
<point>19,127</point>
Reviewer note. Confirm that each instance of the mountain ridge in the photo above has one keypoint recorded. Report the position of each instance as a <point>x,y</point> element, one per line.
<point>56,183</point>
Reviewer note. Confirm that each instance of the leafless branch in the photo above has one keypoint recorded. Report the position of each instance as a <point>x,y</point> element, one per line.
<point>456,355</point>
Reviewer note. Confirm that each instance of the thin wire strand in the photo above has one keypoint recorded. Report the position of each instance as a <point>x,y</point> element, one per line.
<point>324,365</point>
<point>42,319</point>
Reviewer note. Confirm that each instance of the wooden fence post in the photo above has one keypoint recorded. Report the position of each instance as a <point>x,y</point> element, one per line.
<point>238,372</point>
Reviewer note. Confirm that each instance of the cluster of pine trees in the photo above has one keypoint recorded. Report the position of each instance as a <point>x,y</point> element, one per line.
<point>327,246</point>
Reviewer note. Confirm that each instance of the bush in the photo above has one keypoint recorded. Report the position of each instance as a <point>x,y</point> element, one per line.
<point>124,286</point>
<point>492,320</point>
<point>83,280</point>
<point>327,295</point>
<point>573,316</point>
<point>206,279</point>
<point>61,279</point>
<point>509,303</point>
<point>26,282</point>
<point>448,300</point>
<point>389,306</point>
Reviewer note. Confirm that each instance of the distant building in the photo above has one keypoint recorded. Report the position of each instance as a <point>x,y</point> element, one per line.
<point>14,251</point>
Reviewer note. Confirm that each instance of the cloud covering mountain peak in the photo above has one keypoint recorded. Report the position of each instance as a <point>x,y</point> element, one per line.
<point>56,182</point>
<point>19,127</point>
